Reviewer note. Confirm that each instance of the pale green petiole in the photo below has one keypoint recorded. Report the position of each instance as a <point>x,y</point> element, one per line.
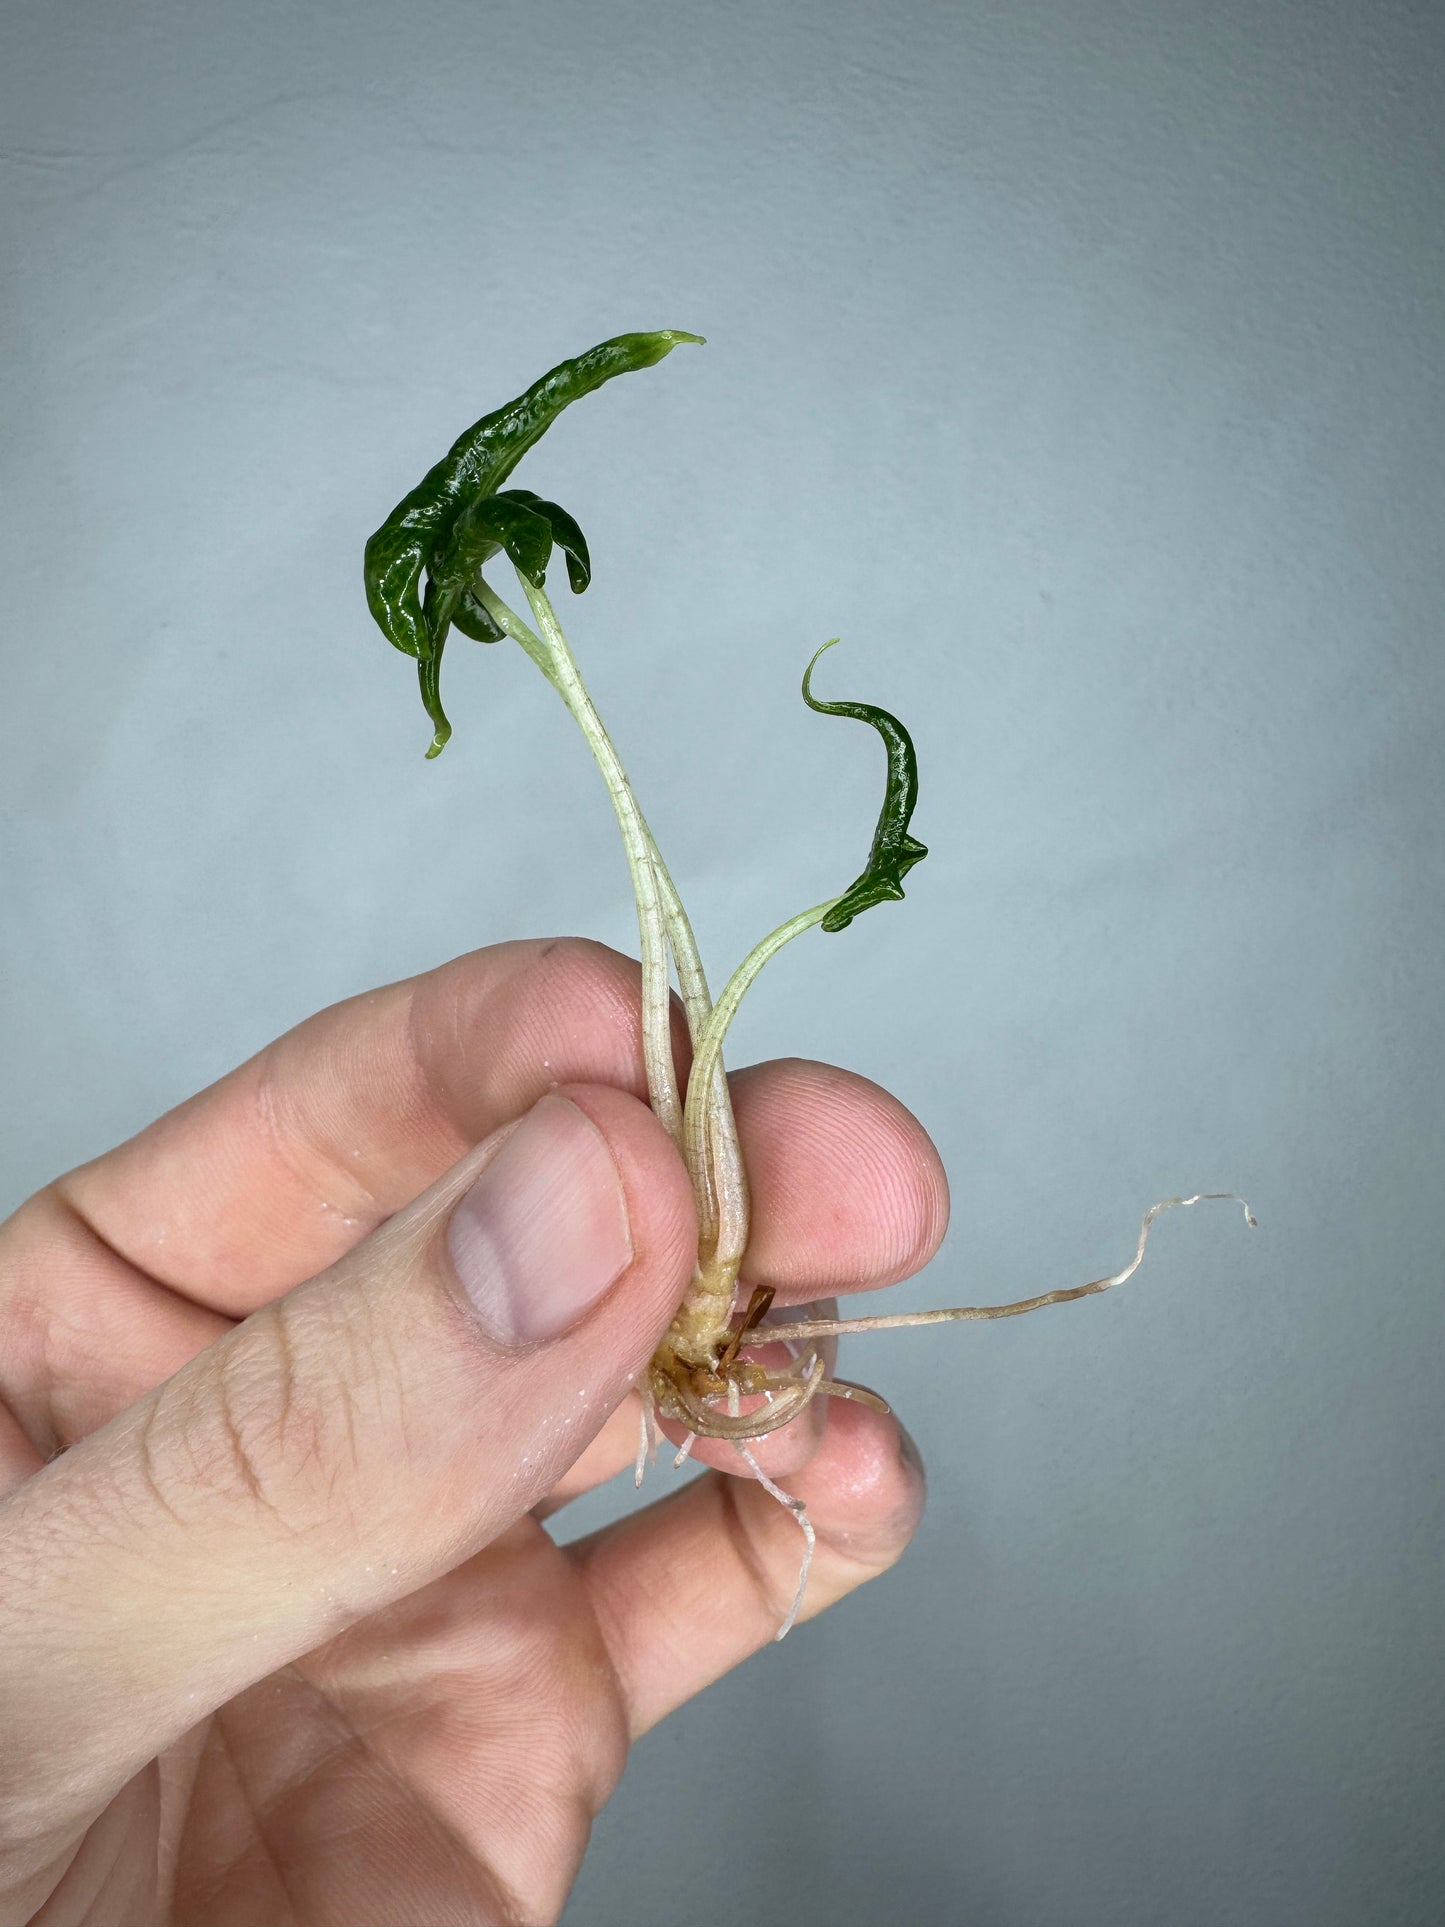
<point>707,1050</point>
<point>553,657</point>
<point>715,1166</point>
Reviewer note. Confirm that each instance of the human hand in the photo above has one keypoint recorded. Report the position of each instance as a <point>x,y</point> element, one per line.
<point>282,1637</point>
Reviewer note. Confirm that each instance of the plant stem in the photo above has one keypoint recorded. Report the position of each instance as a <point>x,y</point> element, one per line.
<point>718,1177</point>
<point>709,1297</point>
<point>721,1182</point>
<point>552,656</point>
<point>707,1053</point>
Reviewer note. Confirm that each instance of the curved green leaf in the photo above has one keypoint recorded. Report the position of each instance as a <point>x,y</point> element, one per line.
<point>565,533</point>
<point>472,619</point>
<point>495,522</point>
<point>478,462</point>
<point>894,851</point>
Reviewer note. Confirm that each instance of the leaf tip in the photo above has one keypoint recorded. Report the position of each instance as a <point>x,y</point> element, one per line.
<point>894,851</point>
<point>808,697</point>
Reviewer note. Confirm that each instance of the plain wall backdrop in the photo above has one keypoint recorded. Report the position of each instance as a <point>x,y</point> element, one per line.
<point>1081,365</point>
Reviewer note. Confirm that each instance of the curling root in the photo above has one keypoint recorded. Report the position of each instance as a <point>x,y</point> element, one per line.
<point>800,1513</point>
<point>840,1327</point>
<point>786,1397</point>
<point>858,1394</point>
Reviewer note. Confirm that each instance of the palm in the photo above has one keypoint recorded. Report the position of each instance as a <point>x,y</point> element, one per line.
<point>439,1762</point>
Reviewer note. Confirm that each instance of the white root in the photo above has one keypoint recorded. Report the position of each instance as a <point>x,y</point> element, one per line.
<point>840,1327</point>
<point>800,1513</point>
<point>779,1410</point>
<point>647,1437</point>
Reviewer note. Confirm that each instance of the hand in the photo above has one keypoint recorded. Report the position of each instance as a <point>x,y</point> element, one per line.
<point>289,1382</point>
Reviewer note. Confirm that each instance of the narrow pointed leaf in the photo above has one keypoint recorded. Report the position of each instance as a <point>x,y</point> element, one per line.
<point>894,851</point>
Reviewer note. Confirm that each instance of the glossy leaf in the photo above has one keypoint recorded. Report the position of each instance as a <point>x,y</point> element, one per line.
<point>565,533</point>
<point>472,619</point>
<point>417,531</point>
<point>495,522</point>
<point>894,851</point>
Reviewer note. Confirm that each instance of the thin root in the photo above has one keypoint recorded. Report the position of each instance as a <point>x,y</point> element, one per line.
<point>647,1437</point>
<point>840,1327</point>
<point>859,1394</point>
<point>791,1394</point>
<point>800,1513</point>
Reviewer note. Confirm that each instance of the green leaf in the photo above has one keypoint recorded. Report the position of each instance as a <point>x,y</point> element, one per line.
<point>493,523</point>
<point>416,533</point>
<point>428,674</point>
<point>565,533</point>
<point>894,851</point>
<point>472,619</point>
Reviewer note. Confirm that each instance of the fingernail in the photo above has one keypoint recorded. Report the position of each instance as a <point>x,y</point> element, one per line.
<point>543,1232</point>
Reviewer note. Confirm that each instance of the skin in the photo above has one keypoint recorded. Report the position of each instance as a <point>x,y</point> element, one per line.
<point>282,1635</point>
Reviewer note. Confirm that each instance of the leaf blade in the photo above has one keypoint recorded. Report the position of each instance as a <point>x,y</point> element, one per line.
<point>894,850</point>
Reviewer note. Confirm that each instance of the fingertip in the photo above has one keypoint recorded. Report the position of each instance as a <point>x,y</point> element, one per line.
<point>493,1029</point>
<point>849,1192</point>
<point>865,1488</point>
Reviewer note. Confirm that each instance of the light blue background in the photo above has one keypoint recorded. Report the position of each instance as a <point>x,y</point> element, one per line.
<point>1081,365</point>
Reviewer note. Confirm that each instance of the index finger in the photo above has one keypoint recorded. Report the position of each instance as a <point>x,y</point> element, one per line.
<point>281,1167</point>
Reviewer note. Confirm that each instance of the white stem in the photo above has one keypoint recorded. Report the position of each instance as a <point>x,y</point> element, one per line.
<point>719,1179</point>
<point>707,1053</point>
<point>551,653</point>
<point>720,1184</point>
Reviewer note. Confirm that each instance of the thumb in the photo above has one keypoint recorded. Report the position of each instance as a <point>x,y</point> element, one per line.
<point>341,1447</point>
